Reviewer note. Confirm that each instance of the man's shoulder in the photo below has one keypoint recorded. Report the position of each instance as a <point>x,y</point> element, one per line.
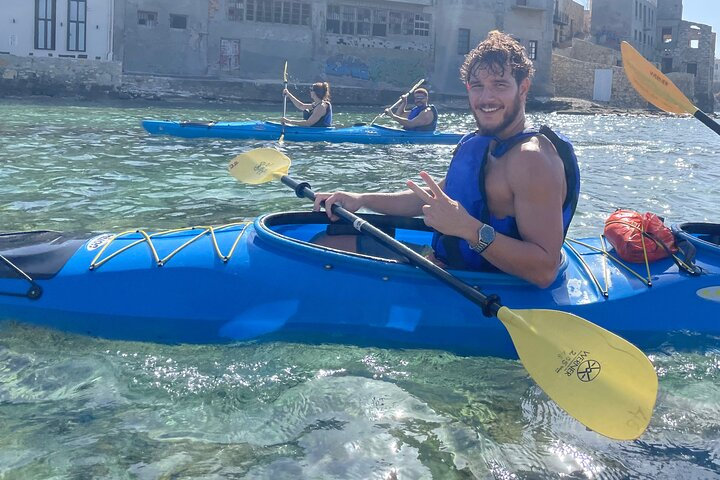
<point>536,152</point>
<point>532,147</point>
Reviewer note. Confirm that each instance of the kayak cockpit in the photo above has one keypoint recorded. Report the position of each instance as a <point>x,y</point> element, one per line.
<point>295,231</point>
<point>37,254</point>
<point>703,236</point>
<point>304,226</point>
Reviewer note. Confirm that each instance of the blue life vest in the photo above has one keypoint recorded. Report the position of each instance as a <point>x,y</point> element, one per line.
<point>425,128</point>
<point>325,120</point>
<point>469,162</point>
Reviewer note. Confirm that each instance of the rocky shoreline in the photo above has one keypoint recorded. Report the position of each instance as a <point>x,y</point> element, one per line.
<point>556,105</point>
<point>142,90</point>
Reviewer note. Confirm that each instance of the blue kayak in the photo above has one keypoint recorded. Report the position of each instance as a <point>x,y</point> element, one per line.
<point>264,280</point>
<point>271,131</point>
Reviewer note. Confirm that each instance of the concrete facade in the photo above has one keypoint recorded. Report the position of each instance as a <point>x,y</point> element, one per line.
<point>461,25</point>
<point>163,37</point>
<point>633,21</point>
<point>361,43</point>
<point>531,22</point>
<point>72,29</point>
<point>692,51</point>
<point>568,21</point>
<point>687,48</point>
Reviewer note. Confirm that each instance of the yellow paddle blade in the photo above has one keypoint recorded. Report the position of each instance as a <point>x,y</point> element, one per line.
<point>259,166</point>
<point>602,380</point>
<point>652,84</point>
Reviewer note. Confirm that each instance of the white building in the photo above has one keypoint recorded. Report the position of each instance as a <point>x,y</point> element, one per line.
<point>57,28</point>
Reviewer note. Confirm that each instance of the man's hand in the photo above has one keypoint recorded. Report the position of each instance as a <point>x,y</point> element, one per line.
<point>441,212</point>
<point>349,201</point>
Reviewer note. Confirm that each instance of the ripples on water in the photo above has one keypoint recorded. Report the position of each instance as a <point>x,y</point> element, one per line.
<point>77,407</point>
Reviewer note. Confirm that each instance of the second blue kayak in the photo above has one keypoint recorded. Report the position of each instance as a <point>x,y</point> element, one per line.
<point>257,130</point>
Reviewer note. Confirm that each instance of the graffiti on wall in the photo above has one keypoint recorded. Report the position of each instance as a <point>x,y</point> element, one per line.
<point>397,70</point>
<point>347,66</point>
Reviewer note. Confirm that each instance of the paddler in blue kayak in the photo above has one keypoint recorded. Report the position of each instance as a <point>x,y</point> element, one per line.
<point>315,114</point>
<point>422,117</point>
<point>510,191</point>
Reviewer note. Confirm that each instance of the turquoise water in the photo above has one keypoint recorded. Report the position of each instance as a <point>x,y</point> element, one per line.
<point>78,407</point>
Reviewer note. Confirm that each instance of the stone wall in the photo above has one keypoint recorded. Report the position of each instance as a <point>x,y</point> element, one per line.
<point>57,76</point>
<point>684,81</point>
<point>576,79</point>
<point>242,91</point>
<point>590,52</point>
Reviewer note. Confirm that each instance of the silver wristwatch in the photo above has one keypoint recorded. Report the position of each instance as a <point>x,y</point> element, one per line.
<point>486,235</point>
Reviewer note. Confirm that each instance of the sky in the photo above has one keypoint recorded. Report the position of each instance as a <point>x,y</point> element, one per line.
<point>706,12</point>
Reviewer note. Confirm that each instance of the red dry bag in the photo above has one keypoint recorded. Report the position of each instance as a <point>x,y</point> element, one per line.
<point>627,230</point>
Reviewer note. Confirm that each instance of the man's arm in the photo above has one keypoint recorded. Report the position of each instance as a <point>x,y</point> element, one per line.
<point>401,111</point>
<point>537,180</point>
<point>405,203</point>
<point>425,118</point>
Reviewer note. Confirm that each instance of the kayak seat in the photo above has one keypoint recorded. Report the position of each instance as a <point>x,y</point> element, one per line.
<point>285,223</point>
<point>387,223</point>
<point>39,254</point>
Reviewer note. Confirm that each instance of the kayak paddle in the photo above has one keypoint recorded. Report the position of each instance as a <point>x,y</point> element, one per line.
<point>602,380</point>
<point>657,88</point>
<point>415,87</point>
<point>285,82</point>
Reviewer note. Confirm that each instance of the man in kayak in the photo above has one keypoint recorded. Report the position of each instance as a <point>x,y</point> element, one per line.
<point>510,191</point>
<point>422,117</point>
<point>315,114</point>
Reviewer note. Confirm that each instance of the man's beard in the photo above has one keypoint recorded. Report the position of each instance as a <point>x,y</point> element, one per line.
<point>508,118</point>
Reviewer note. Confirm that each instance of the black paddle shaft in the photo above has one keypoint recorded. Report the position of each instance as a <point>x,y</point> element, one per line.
<point>702,116</point>
<point>489,303</point>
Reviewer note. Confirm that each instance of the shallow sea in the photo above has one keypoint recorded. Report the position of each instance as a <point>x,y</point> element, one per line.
<point>74,407</point>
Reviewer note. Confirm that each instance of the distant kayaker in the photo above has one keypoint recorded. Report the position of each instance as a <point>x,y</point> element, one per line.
<point>509,193</point>
<point>315,114</point>
<point>422,117</point>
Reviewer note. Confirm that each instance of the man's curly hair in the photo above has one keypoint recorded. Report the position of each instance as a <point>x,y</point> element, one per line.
<point>495,53</point>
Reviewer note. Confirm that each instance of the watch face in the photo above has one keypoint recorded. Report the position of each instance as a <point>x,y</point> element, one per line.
<point>487,234</point>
